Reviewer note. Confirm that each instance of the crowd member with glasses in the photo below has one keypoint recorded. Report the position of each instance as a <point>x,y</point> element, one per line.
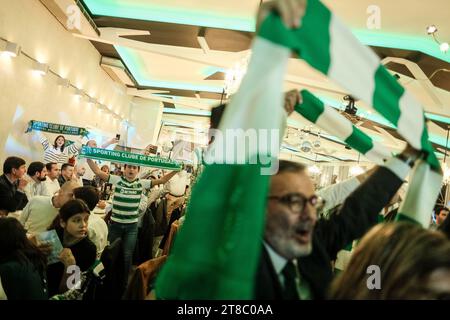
<point>42,210</point>
<point>298,248</point>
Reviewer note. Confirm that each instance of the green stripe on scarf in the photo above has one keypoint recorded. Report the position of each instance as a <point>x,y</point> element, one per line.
<point>359,141</point>
<point>317,22</point>
<point>387,95</point>
<point>56,128</point>
<point>129,158</point>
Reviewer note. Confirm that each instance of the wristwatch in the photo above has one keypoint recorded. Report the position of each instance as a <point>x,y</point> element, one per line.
<point>409,159</point>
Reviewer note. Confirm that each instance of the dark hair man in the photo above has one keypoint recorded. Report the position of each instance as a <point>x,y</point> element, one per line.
<point>12,186</point>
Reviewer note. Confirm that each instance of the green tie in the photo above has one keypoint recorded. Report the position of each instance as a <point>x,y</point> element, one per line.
<point>290,285</point>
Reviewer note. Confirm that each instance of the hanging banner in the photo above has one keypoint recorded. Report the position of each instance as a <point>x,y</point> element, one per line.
<point>129,158</point>
<point>56,128</point>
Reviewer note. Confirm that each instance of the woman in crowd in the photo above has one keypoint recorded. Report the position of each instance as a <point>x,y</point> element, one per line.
<point>58,152</point>
<point>397,261</point>
<point>22,264</point>
<point>71,225</point>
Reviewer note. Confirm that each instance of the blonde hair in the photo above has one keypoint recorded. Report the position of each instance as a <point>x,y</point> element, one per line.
<point>406,255</point>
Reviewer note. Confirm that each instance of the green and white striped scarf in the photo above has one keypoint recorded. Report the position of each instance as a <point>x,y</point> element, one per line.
<point>216,253</point>
<point>425,183</point>
<point>327,45</point>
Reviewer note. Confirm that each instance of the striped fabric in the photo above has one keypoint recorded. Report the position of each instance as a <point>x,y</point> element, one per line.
<point>127,196</point>
<point>216,253</point>
<point>327,45</point>
<point>420,197</point>
<point>334,123</point>
<point>51,154</point>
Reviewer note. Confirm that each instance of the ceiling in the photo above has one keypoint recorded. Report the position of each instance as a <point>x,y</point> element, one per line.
<point>158,43</point>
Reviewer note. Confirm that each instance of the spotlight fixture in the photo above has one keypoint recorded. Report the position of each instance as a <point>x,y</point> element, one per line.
<point>10,49</point>
<point>350,108</point>
<point>432,30</point>
<point>40,68</point>
<point>306,146</point>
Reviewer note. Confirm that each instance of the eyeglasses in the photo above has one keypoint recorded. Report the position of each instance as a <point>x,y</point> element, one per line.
<point>297,202</point>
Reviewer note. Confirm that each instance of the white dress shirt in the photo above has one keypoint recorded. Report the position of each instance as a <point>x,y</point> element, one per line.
<point>51,186</point>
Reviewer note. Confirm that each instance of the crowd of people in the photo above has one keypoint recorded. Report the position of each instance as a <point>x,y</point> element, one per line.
<point>305,229</point>
<point>38,198</point>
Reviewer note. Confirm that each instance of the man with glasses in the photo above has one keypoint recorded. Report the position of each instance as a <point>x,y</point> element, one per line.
<point>298,248</point>
<point>42,210</point>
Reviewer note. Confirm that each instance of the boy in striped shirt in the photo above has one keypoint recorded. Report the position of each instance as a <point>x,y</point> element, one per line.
<point>127,196</point>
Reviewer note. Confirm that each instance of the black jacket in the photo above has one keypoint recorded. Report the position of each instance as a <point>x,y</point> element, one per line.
<point>10,199</point>
<point>358,213</point>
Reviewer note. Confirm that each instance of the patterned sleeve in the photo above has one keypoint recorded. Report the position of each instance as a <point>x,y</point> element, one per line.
<point>74,148</point>
<point>43,140</point>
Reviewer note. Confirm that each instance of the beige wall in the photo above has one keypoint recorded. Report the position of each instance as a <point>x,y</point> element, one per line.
<point>25,96</point>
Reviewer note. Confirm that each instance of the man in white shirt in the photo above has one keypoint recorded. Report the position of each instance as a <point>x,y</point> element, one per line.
<point>177,185</point>
<point>40,212</point>
<point>37,173</point>
<point>51,183</point>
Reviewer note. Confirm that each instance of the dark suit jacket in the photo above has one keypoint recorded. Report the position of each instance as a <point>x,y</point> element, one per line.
<point>10,199</point>
<point>358,213</point>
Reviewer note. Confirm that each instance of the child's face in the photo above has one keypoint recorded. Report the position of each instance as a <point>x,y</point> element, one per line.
<point>77,225</point>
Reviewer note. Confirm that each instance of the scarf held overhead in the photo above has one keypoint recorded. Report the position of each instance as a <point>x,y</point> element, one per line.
<point>56,128</point>
<point>128,158</point>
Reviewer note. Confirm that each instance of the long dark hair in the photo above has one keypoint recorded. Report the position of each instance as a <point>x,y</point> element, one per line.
<point>14,245</point>
<point>63,146</point>
<point>69,209</point>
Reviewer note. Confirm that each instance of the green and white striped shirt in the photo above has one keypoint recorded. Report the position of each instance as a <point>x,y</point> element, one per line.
<point>127,196</point>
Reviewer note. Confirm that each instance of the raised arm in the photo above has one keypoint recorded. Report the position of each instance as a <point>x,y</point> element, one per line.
<point>99,173</point>
<point>110,142</point>
<point>164,179</point>
<point>361,209</point>
<point>74,149</point>
<point>42,139</point>
<point>336,194</point>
